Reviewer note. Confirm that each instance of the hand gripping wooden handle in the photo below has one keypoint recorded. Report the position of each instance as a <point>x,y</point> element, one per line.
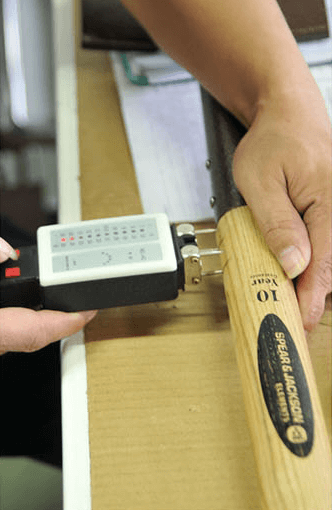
<point>289,437</point>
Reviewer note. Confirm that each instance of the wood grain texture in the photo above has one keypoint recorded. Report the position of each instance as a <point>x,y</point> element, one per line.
<point>251,271</point>
<point>167,424</point>
<point>108,181</point>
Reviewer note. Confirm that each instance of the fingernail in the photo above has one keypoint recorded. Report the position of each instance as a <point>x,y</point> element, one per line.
<point>292,261</point>
<point>6,251</point>
<point>88,315</point>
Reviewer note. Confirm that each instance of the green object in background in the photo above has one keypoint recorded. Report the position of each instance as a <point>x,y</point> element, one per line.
<point>136,80</point>
<point>153,69</point>
<point>26,484</point>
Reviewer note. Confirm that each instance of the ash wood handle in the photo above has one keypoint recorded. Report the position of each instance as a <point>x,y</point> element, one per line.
<point>288,433</point>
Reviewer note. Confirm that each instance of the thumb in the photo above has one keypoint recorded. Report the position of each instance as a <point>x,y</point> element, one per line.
<point>6,251</point>
<point>25,330</point>
<point>262,183</point>
<point>282,227</point>
<point>290,242</point>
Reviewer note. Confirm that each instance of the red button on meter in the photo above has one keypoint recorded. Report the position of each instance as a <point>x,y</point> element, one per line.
<point>12,272</point>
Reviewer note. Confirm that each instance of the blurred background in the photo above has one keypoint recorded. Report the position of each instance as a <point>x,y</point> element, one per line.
<point>28,180</point>
<point>30,445</point>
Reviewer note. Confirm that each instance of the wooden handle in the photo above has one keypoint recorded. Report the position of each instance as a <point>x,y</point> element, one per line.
<point>289,437</point>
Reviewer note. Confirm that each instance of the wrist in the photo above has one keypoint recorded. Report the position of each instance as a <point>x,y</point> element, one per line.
<point>288,81</point>
<point>291,100</point>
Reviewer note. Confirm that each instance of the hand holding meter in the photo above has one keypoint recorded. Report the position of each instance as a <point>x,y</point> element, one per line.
<point>103,263</point>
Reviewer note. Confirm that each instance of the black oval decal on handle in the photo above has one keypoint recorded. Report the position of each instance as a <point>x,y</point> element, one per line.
<point>284,386</point>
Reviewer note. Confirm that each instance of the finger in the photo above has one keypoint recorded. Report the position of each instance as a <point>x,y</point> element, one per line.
<point>25,330</point>
<point>316,281</point>
<point>6,251</point>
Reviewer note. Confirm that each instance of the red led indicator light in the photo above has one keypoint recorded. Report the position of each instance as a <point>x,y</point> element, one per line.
<point>18,253</point>
<point>71,238</point>
<point>63,239</point>
<point>12,272</point>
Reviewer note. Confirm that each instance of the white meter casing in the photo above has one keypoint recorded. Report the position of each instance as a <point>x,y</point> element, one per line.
<point>107,262</point>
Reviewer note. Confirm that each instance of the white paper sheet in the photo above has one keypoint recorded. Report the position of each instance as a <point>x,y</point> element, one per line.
<point>167,140</point>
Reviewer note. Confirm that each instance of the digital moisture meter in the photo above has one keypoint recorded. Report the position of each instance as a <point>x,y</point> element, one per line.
<point>102,263</point>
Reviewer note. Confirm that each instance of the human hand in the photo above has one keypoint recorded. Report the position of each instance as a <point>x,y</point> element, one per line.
<point>27,330</point>
<point>6,251</point>
<point>283,169</point>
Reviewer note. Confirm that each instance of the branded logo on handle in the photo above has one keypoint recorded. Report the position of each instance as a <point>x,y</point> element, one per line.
<point>284,386</point>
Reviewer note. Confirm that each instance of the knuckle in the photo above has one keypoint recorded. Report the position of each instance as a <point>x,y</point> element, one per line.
<point>31,344</point>
<point>315,313</point>
<point>35,340</point>
<point>319,211</point>
<point>324,274</point>
<point>275,230</point>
